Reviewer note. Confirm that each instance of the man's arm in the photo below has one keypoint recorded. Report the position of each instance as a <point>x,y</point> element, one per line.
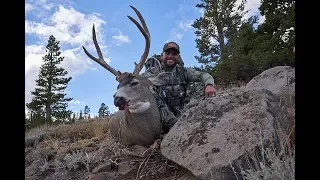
<point>197,76</point>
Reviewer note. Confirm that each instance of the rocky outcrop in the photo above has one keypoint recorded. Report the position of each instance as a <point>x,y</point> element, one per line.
<point>214,137</point>
<point>279,80</point>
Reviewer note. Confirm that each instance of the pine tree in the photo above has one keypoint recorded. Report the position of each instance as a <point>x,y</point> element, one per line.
<point>103,110</point>
<point>255,48</point>
<point>81,115</point>
<point>239,65</point>
<point>37,117</point>
<point>86,111</point>
<point>221,19</point>
<point>280,25</point>
<point>51,84</point>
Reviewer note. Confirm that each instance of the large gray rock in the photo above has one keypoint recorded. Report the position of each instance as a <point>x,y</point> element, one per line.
<point>279,80</point>
<point>217,132</point>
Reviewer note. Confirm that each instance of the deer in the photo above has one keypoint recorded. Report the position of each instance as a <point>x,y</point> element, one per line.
<point>138,120</point>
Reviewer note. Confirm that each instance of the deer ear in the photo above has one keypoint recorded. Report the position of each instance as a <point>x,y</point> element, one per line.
<point>161,78</point>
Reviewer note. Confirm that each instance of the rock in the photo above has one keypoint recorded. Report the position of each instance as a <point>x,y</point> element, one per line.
<point>105,166</point>
<point>218,132</point>
<point>62,174</point>
<point>137,149</point>
<point>187,176</point>
<point>279,80</point>
<point>125,169</point>
<point>99,176</point>
<point>104,176</point>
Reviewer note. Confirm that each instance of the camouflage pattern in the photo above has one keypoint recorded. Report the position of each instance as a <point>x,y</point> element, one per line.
<point>174,93</point>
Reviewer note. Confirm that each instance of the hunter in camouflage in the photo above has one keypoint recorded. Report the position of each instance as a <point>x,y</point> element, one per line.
<point>173,96</point>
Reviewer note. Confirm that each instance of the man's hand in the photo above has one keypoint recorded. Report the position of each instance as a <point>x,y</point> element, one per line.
<point>210,90</point>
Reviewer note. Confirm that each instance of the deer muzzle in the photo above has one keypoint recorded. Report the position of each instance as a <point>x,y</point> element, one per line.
<point>121,103</point>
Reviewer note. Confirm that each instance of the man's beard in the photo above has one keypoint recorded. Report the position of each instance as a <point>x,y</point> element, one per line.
<point>170,65</point>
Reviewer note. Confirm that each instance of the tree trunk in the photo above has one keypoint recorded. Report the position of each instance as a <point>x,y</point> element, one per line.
<point>221,38</point>
<point>48,113</point>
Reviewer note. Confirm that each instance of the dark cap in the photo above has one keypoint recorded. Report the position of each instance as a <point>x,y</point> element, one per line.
<point>171,45</point>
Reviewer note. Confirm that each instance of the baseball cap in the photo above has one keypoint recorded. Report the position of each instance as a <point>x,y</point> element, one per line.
<point>171,45</point>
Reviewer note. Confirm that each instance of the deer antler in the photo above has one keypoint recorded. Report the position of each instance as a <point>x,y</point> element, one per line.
<point>100,60</point>
<point>144,30</point>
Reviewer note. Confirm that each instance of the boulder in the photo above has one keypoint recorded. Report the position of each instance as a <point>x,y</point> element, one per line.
<point>279,80</point>
<point>212,139</point>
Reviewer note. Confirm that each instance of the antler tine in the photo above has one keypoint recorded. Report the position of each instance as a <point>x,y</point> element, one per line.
<point>99,60</point>
<point>144,30</point>
<point>144,25</point>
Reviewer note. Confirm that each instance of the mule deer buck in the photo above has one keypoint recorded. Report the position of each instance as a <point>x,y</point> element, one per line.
<point>138,120</point>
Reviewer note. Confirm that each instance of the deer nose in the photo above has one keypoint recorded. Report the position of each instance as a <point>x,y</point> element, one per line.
<point>118,100</point>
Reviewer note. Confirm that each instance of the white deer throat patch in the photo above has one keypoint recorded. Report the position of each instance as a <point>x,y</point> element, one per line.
<point>139,107</point>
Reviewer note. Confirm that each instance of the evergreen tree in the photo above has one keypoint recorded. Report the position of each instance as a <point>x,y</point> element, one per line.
<point>253,48</point>
<point>86,111</point>
<point>280,26</point>
<point>103,110</point>
<point>37,117</point>
<point>51,84</point>
<point>221,19</point>
<point>81,115</point>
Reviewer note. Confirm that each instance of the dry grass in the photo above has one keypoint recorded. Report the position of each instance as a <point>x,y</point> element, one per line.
<point>94,128</point>
<point>231,86</point>
<point>64,145</point>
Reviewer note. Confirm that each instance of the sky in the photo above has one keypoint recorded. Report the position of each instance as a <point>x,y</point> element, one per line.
<point>121,42</point>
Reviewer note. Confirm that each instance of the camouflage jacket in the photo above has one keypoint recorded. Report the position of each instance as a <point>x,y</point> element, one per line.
<point>175,91</point>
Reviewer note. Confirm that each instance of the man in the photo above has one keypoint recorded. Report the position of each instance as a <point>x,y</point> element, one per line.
<point>173,94</point>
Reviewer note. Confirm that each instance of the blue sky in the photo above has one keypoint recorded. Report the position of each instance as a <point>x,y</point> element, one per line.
<point>121,41</point>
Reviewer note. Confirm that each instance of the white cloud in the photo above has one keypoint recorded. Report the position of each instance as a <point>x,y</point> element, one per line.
<point>261,19</point>
<point>175,35</point>
<point>120,39</point>
<point>75,102</point>
<point>253,7</point>
<point>41,8</point>
<point>183,26</point>
<point>68,26</point>
<point>201,11</point>
<point>184,8</point>
<point>28,7</point>
<point>72,29</point>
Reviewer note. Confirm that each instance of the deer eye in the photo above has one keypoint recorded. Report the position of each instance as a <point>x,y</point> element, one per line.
<point>134,83</point>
